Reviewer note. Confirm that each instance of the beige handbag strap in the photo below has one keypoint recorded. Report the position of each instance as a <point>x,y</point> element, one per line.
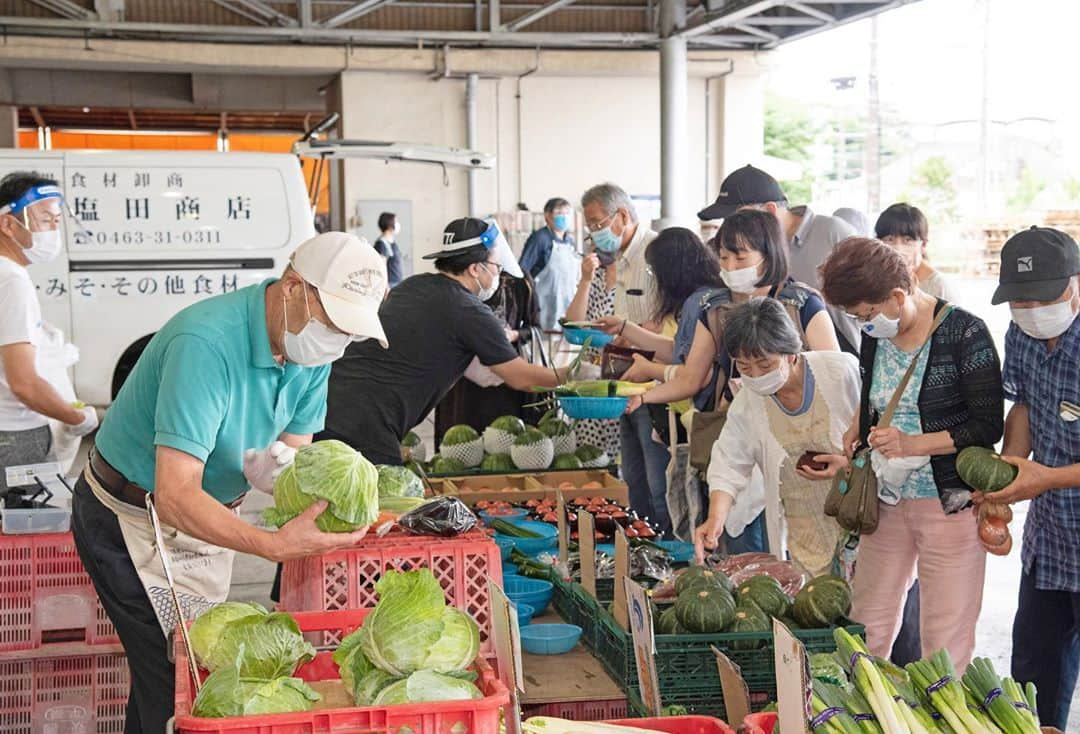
<point>894,403</point>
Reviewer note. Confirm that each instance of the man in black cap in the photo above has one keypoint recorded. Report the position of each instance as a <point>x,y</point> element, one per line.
<point>811,237</point>
<point>435,323</point>
<point>1041,375</point>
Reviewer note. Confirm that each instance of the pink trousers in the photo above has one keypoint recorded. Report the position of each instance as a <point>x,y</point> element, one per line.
<point>944,550</point>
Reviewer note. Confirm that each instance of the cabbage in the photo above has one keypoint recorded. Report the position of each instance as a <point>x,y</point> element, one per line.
<point>397,481</point>
<point>366,690</point>
<point>263,646</point>
<point>226,693</point>
<point>411,627</point>
<point>206,629</point>
<point>426,686</point>
<point>331,471</point>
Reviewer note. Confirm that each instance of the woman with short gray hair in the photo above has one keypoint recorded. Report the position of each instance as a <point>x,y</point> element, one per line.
<point>788,420</point>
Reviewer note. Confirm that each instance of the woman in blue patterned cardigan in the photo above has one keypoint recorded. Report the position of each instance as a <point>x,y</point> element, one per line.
<point>953,400</point>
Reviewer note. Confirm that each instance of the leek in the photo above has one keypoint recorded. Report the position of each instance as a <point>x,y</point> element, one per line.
<point>870,682</point>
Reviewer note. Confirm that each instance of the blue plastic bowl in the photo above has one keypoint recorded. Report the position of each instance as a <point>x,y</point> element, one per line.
<point>606,548</point>
<point>517,514</point>
<point>509,568</point>
<point>534,592</point>
<point>532,546</point>
<point>550,639</point>
<point>599,409</point>
<point>680,552</point>
<point>525,614</point>
<point>580,336</point>
<point>505,546</point>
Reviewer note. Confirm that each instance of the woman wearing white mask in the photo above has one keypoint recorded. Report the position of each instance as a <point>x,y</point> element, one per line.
<point>753,261</point>
<point>31,219</point>
<point>953,399</point>
<point>788,422</point>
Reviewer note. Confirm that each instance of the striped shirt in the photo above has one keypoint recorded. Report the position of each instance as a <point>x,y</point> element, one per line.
<point>635,291</point>
<point>1041,381</point>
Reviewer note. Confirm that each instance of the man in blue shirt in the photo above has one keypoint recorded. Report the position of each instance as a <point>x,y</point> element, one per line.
<point>550,258</point>
<point>242,370</point>
<point>1040,278</point>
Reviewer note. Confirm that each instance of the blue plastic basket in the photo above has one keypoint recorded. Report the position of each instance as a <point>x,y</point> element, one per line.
<point>505,546</point>
<point>513,516</point>
<point>594,408</point>
<point>532,546</point>
<point>525,613</point>
<point>534,592</point>
<point>580,336</point>
<point>550,639</point>
<point>680,552</point>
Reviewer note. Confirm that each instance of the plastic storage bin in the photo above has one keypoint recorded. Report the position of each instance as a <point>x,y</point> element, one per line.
<point>76,693</point>
<point>37,520</point>
<point>679,724</point>
<point>346,579</point>
<point>480,716</point>
<point>46,596</point>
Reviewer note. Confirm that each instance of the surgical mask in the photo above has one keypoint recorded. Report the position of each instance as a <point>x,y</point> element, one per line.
<point>485,294</point>
<point>1045,322</point>
<point>743,280</point>
<point>316,344</point>
<point>562,222</point>
<point>770,382</point>
<point>44,246</point>
<point>881,327</point>
<point>397,227</point>
<point>606,240</point>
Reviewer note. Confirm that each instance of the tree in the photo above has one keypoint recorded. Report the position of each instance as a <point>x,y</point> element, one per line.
<point>1027,190</point>
<point>931,188</point>
<point>789,134</point>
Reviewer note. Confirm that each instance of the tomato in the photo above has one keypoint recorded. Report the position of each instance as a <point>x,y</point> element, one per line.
<point>646,533</point>
<point>631,533</point>
<point>550,517</point>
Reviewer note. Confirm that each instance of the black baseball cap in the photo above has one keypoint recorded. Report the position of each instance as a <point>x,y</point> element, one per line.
<point>1036,265</point>
<point>462,235</point>
<point>748,185</point>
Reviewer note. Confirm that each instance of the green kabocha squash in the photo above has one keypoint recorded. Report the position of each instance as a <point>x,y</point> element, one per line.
<point>668,623</point>
<point>765,592</point>
<point>699,577</point>
<point>822,602</point>
<point>749,618</point>
<point>707,611</point>
<point>982,469</point>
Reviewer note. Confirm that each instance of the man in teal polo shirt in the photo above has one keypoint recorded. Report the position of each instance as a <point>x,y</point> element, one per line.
<point>221,380</point>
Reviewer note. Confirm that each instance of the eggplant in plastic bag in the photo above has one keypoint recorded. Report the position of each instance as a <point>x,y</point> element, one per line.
<point>445,516</point>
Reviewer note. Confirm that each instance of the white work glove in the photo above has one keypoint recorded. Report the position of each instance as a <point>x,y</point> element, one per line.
<point>89,423</point>
<point>262,466</point>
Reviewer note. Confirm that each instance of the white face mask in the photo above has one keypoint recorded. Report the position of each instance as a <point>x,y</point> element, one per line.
<point>316,344</point>
<point>743,280</point>
<point>770,382</point>
<point>485,294</point>
<point>1045,322</point>
<point>44,246</point>
<point>880,326</point>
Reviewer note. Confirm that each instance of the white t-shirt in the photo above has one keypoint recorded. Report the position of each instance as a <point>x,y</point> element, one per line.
<point>20,321</point>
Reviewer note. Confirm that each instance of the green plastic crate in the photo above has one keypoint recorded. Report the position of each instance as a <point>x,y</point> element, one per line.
<point>686,664</point>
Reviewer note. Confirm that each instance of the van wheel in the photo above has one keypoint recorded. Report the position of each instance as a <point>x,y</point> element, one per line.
<point>127,362</point>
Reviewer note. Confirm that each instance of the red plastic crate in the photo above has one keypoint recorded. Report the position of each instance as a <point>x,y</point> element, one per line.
<point>679,725</point>
<point>761,723</point>
<point>346,579</point>
<point>615,708</point>
<point>78,693</point>
<point>479,716</point>
<point>46,596</point>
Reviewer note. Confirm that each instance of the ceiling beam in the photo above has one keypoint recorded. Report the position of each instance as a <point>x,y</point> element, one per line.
<point>66,9</point>
<point>727,19</point>
<point>257,11</point>
<point>305,13</point>
<point>356,11</point>
<point>535,15</point>
<point>812,12</point>
<point>779,21</point>
<point>764,35</point>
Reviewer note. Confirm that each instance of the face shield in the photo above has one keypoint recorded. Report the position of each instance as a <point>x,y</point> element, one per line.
<point>41,213</point>
<point>501,252</point>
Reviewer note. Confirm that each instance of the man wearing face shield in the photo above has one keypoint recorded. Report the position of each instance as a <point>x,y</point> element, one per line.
<point>1040,279</point>
<point>218,402</point>
<point>31,231</point>
<point>437,323</point>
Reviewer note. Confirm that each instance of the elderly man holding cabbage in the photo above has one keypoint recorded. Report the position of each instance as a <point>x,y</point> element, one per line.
<point>220,400</point>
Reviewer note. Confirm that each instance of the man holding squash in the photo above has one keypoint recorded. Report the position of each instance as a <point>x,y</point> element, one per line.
<point>1041,376</point>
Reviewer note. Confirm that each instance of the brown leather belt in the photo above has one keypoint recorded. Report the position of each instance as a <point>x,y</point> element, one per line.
<point>119,487</point>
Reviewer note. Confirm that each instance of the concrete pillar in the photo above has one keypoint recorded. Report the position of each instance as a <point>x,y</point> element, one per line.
<point>472,137</point>
<point>674,162</point>
<point>9,127</point>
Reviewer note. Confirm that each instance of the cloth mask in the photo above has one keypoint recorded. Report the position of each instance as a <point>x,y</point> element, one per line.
<point>44,246</point>
<point>1045,322</point>
<point>743,280</point>
<point>316,344</point>
<point>770,382</point>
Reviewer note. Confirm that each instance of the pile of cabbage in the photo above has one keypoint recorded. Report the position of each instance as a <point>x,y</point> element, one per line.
<point>251,655</point>
<point>412,648</point>
<point>355,489</point>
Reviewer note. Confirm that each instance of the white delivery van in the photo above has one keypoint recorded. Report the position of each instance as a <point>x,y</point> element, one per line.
<point>159,231</point>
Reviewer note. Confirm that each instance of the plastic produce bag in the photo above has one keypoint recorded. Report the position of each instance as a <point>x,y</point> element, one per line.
<point>445,516</point>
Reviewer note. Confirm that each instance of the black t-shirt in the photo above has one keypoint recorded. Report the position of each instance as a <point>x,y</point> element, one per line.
<point>435,327</point>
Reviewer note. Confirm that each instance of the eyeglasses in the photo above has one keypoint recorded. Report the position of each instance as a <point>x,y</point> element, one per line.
<point>498,268</point>
<point>602,223</point>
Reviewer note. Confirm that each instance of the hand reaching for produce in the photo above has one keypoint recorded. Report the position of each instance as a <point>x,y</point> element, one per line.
<point>1031,481</point>
<point>834,463</point>
<point>706,537</point>
<point>300,537</point>
<point>262,467</point>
